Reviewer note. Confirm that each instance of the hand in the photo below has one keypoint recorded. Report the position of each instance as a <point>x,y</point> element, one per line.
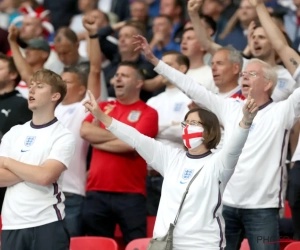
<point>251,29</point>
<point>92,106</point>
<point>90,24</point>
<point>13,33</point>
<point>250,109</point>
<point>96,122</point>
<point>194,6</point>
<point>254,3</point>
<point>158,38</point>
<point>192,105</point>
<point>142,45</point>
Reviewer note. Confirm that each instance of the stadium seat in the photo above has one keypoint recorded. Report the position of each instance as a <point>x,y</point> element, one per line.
<point>93,243</point>
<point>287,210</point>
<point>138,244</point>
<point>245,245</point>
<point>293,246</point>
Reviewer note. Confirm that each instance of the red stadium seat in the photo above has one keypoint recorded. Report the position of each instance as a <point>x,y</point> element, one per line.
<point>293,246</point>
<point>150,225</point>
<point>138,244</point>
<point>245,245</point>
<point>287,210</point>
<point>93,243</point>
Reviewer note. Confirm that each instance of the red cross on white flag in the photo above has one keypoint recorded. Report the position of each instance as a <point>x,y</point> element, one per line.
<point>192,136</point>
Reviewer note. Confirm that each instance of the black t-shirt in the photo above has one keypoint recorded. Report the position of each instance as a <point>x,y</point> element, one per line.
<point>13,111</point>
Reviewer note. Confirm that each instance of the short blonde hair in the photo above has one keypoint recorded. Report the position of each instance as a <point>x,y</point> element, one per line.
<point>269,73</point>
<point>54,80</point>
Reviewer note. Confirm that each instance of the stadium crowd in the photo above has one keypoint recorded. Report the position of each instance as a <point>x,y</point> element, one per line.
<point>151,64</point>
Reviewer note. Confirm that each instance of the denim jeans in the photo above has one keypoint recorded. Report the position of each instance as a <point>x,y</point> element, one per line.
<point>259,226</point>
<point>73,209</point>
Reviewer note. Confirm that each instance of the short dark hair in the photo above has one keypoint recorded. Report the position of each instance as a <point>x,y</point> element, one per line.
<point>66,32</point>
<point>139,26</point>
<point>211,125</point>
<point>81,74</point>
<point>11,67</point>
<point>210,22</point>
<point>180,58</point>
<point>139,73</point>
<point>166,17</point>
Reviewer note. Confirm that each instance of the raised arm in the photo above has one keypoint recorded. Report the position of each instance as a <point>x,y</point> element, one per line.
<point>202,36</point>
<point>94,79</point>
<point>22,65</point>
<point>151,150</point>
<point>200,95</point>
<point>289,57</point>
<point>229,155</point>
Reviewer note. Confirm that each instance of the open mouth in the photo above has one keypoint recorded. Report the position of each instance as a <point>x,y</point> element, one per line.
<point>245,86</point>
<point>257,49</point>
<point>119,86</point>
<point>31,99</point>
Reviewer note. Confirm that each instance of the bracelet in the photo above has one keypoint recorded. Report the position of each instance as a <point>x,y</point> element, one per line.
<point>248,124</point>
<point>94,36</point>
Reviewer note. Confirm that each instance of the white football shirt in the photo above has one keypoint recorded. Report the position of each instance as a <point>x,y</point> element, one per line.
<point>72,116</point>
<point>26,204</point>
<point>257,180</point>
<point>200,224</point>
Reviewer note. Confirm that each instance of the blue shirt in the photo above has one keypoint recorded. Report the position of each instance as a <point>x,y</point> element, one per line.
<point>170,46</point>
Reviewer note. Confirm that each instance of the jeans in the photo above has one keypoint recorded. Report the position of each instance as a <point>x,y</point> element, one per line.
<point>73,209</point>
<point>294,198</point>
<point>103,210</point>
<point>259,226</point>
<point>154,185</point>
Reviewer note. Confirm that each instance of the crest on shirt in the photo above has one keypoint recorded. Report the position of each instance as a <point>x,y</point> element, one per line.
<point>29,141</point>
<point>187,173</point>
<point>178,106</point>
<point>134,116</point>
<point>281,84</point>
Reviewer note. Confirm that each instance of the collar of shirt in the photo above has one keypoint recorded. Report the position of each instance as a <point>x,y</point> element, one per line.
<point>9,94</point>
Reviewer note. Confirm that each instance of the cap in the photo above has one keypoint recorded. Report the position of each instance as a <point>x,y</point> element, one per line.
<point>39,44</point>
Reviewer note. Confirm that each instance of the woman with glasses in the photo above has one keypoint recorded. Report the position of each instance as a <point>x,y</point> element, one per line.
<point>200,224</point>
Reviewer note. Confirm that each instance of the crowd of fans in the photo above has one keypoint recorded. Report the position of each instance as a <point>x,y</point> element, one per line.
<point>91,44</point>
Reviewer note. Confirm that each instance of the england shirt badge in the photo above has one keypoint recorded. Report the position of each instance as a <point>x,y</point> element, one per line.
<point>186,175</point>
<point>134,116</point>
<point>29,141</point>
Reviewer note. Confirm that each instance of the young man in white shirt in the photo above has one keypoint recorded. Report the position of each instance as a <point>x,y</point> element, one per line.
<point>198,70</point>
<point>171,106</point>
<point>260,164</point>
<point>71,114</point>
<point>291,60</point>
<point>33,158</point>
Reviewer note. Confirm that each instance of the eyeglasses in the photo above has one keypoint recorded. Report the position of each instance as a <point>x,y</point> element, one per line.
<point>192,123</point>
<point>251,74</point>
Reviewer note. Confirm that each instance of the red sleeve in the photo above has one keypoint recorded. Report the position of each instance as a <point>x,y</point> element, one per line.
<point>148,124</point>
